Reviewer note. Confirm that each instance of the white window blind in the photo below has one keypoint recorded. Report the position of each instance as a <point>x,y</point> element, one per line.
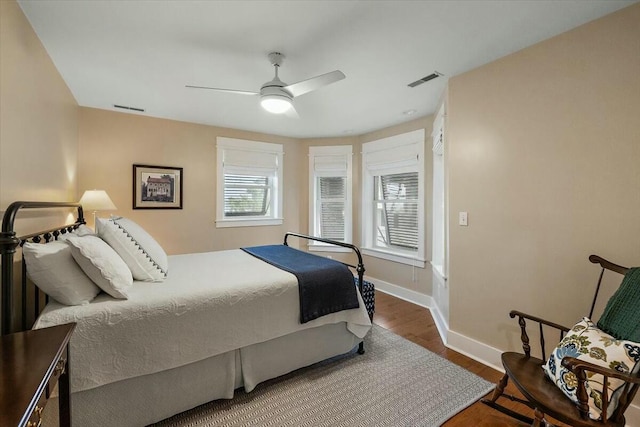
<point>330,193</point>
<point>249,183</point>
<point>393,198</point>
<point>331,205</point>
<point>247,195</point>
<point>397,199</point>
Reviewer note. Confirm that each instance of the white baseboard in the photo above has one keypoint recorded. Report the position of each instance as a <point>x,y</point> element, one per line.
<point>476,350</point>
<point>422,300</point>
<point>415,298</point>
<point>441,323</point>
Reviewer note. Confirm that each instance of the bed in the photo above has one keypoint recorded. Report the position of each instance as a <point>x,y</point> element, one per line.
<point>220,321</point>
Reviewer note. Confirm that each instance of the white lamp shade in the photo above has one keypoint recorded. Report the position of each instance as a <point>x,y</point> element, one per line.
<point>275,103</point>
<point>97,200</point>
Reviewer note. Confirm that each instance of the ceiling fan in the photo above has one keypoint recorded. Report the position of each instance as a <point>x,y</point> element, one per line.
<point>276,96</point>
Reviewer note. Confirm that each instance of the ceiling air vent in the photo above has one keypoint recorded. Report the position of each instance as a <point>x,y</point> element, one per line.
<point>431,76</point>
<point>124,107</point>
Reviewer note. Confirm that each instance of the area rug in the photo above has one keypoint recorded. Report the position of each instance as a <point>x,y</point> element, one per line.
<point>395,383</point>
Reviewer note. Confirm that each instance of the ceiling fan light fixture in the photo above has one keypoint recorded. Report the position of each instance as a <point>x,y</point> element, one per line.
<point>276,104</point>
<point>276,96</point>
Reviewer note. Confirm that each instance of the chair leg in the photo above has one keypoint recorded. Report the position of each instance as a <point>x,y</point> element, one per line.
<point>539,420</point>
<point>498,392</point>
<point>502,384</point>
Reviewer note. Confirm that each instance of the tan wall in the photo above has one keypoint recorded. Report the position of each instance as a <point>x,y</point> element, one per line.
<point>38,128</point>
<point>543,152</point>
<point>38,120</point>
<point>111,142</point>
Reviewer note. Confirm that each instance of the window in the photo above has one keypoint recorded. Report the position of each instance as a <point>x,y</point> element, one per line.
<point>249,183</point>
<point>396,205</point>
<point>330,200</point>
<point>393,198</point>
<point>247,195</point>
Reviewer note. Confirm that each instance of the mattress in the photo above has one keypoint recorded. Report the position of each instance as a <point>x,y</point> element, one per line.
<point>210,303</point>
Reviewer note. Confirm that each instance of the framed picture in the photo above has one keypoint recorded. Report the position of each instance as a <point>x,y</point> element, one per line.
<point>157,187</point>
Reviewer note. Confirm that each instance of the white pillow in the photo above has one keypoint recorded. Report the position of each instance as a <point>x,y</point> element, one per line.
<point>144,256</point>
<point>52,268</point>
<point>82,230</point>
<point>102,264</point>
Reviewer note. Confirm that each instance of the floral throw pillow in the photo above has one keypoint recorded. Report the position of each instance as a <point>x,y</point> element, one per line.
<point>586,342</point>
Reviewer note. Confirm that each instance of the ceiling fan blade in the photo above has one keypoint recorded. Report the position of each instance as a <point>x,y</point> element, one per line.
<point>292,113</point>
<point>239,92</point>
<point>300,88</point>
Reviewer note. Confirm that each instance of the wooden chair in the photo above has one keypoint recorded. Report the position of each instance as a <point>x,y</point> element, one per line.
<point>541,394</point>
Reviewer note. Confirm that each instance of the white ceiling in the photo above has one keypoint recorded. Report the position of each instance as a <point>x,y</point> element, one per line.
<point>143,53</point>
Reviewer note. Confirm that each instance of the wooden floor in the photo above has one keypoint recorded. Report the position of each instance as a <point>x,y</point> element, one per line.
<point>416,324</point>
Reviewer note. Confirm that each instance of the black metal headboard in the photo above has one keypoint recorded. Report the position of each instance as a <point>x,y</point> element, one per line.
<point>8,245</point>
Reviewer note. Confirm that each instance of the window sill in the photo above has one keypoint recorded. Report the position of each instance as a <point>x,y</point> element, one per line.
<point>226,223</point>
<point>326,248</point>
<point>399,258</point>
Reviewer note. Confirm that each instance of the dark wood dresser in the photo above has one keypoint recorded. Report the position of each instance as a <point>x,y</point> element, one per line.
<point>31,363</point>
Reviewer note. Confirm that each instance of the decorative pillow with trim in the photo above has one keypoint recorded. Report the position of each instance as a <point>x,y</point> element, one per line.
<point>102,264</point>
<point>143,255</point>
<point>52,268</point>
<point>586,342</point>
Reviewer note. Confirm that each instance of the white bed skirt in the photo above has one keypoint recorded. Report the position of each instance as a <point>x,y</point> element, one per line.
<point>151,398</point>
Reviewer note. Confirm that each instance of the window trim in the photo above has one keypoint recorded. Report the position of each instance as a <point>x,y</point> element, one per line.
<point>237,147</point>
<point>411,144</point>
<point>395,257</point>
<point>332,150</point>
<point>439,217</point>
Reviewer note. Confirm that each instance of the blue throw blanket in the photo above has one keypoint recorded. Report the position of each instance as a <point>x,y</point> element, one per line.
<point>325,286</point>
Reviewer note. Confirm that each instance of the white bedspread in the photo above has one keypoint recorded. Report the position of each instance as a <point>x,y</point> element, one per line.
<point>209,304</point>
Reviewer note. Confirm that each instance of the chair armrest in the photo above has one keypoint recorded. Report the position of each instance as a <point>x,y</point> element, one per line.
<point>514,313</point>
<point>576,365</point>
<point>580,368</point>
<point>524,337</point>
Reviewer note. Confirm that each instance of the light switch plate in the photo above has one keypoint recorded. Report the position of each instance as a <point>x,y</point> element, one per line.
<point>463,219</point>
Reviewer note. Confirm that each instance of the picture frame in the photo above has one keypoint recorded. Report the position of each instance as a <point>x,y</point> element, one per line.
<point>157,187</point>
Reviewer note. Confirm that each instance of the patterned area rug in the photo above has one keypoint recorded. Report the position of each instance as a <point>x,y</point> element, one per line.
<point>395,383</point>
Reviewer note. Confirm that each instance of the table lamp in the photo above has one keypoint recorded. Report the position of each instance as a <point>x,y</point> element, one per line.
<point>96,200</point>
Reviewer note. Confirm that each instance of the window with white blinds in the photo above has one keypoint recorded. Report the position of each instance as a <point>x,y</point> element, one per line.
<point>331,203</point>
<point>393,198</point>
<point>330,196</point>
<point>249,180</point>
<point>396,202</point>
<point>247,195</point>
